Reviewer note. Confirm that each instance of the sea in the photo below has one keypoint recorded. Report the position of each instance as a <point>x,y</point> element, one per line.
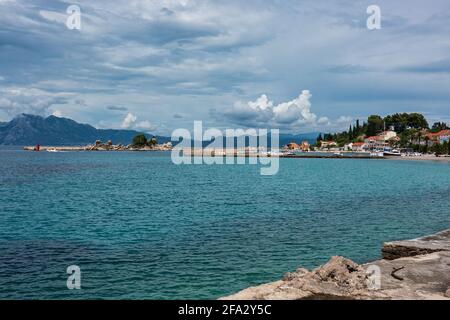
<point>140,227</point>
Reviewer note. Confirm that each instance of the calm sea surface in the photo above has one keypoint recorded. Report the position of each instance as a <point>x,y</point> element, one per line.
<point>140,227</point>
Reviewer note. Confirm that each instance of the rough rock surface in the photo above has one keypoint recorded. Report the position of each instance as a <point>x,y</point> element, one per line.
<point>413,277</point>
<point>409,248</point>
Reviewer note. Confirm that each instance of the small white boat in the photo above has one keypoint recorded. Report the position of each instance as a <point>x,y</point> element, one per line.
<point>52,150</point>
<point>393,153</point>
<point>389,152</point>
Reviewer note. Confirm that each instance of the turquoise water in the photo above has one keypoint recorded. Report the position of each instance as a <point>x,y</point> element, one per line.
<point>140,227</point>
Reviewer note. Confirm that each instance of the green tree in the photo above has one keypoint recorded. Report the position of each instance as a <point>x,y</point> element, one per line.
<point>427,140</point>
<point>439,126</point>
<point>446,147</point>
<point>139,141</point>
<point>374,125</point>
<point>319,138</point>
<point>152,142</point>
<point>439,149</point>
<point>419,137</point>
<point>404,121</point>
<point>417,121</point>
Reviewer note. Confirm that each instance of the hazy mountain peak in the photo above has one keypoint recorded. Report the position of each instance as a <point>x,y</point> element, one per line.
<point>28,129</point>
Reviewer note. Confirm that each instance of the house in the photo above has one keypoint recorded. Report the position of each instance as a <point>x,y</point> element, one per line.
<point>444,136</point>
<point>328,144</point>
<point>358,146</point>
<point>305,146</point>
<point>382,140</point>
<point>438,137</point>
<point>293,146</point>
<point>375,142</point>
<point>387,135</point>
<point>394,140</point>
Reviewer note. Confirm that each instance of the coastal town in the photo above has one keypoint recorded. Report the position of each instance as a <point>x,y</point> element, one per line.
<point>399,135</point>
<point>386,140</point>
<point>406,135</point>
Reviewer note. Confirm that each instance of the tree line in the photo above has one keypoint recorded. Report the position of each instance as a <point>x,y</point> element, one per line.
<point>410,128</point>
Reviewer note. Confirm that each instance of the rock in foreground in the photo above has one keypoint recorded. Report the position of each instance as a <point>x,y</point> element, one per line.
<point>424,276</point>
<point>409,248</point>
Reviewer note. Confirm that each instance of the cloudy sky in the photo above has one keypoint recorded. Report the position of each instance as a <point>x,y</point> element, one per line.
<point>156,65</point>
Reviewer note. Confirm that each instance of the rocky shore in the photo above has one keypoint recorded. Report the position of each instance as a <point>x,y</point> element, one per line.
<point>417,269</point>
<point>103,146</point>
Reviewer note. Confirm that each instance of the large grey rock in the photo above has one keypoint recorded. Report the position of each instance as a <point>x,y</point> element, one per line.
<point>418,277</point>
<point>409,248</point>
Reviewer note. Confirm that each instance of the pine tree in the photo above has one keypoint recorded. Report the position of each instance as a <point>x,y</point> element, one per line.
<point>320,138</point>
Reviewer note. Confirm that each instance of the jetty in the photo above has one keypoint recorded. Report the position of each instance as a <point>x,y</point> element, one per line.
<point>100,146</point>
<point>417,269</point>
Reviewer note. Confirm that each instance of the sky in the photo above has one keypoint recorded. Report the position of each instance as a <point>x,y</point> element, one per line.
<point>158,65</point>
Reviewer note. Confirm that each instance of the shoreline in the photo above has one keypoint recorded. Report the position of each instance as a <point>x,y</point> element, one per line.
<point>416,269</point>
<point>234,153</point>
<point>88,149</point>
<point>422,158</point>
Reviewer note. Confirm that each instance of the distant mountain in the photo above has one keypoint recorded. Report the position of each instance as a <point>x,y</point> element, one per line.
<point>27,129</point>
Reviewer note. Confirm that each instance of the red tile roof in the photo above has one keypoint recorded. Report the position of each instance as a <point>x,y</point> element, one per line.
<point>438,134</point>
<point>375,138</point>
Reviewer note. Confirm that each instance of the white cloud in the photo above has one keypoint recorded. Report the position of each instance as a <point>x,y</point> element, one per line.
<point>262,111</point>
<point>344,120</point>
<point>129,121</point>
<point>16,100</point>
<point>295,115</point>
<point>53,16</point>
<point>145,126</point>
<point>297,110</point>
<point>323,121</point>
<point>57,113</point>
<point>262,103</point>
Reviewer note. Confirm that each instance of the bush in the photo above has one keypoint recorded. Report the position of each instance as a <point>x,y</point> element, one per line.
<point>152,142</point>
<point>139,141</point>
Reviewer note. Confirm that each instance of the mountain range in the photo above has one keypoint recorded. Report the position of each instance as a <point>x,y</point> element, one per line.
<point>26,129</point>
